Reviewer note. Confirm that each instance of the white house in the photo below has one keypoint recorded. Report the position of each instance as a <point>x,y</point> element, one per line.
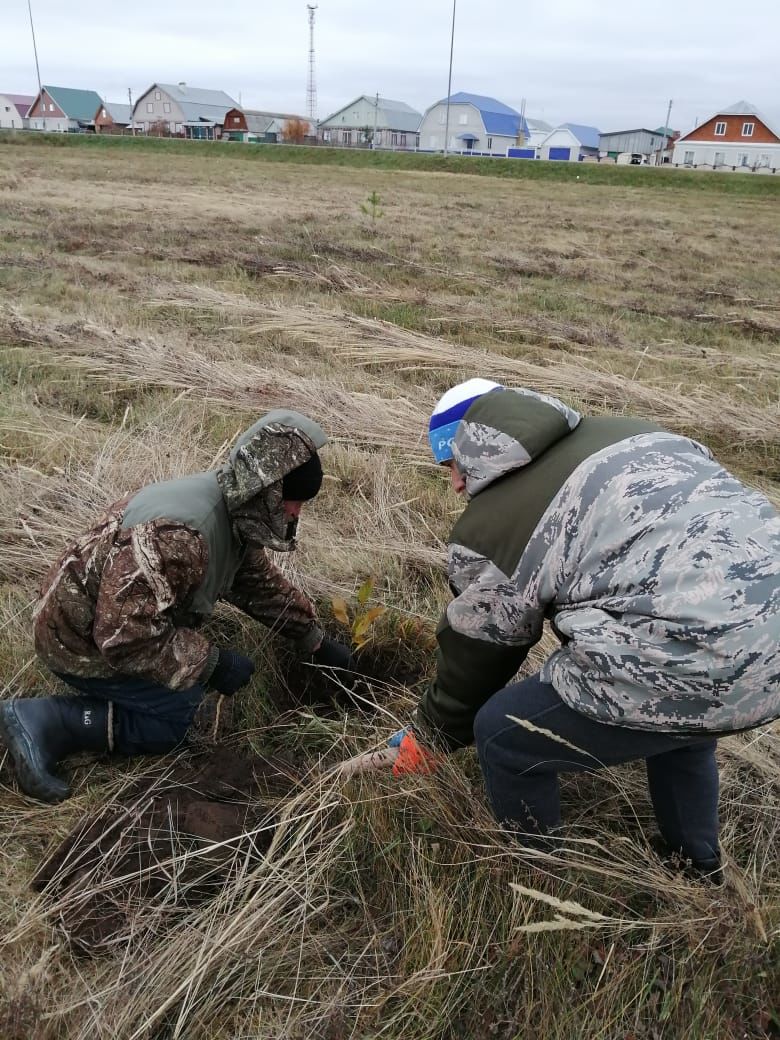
<point>181,110</point>
<point>735,138</point>
<point>570,142</point>
<point>381,122</point>
<point>476,124</point>
<point>13,111</point>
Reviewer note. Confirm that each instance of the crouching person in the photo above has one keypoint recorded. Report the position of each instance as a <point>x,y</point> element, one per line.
<point>660,575</point>
<point>120,612</point>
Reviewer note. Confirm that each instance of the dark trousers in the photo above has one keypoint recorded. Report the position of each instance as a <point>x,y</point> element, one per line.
<point>521,766</point>
<point>149,719</point>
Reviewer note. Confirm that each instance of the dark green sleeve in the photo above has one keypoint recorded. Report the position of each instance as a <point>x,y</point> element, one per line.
<point>468,672</point>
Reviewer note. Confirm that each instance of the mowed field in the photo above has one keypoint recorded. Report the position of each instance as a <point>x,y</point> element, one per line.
<point>154,304</point>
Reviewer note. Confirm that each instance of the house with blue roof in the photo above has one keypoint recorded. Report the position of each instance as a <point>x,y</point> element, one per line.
<point>570,142</point>
<point>477,124</point>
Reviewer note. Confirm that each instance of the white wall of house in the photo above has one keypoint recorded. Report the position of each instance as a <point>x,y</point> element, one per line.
<point>726,156</point>
<point>464,119</point>
<point>157,106</point>
<point>9,115</point>
<point>535,139</point>
<point>53,124</point>
<point>560,138</point>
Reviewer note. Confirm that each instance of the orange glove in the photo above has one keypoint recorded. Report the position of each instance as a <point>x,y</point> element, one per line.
<point>412,757</point>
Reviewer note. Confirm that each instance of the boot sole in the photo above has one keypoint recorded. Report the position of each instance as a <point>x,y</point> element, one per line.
<point>26,761</point>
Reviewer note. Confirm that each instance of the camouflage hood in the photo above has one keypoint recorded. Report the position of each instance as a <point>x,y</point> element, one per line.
<point>251,480</point>
<point>505,430</point>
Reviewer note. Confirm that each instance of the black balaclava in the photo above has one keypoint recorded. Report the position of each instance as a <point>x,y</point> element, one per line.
<point>303,483</point>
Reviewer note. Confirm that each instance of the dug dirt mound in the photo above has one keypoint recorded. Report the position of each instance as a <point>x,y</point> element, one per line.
<point>164,845</point>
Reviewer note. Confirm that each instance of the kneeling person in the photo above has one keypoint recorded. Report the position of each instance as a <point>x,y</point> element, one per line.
<point>120,612</point>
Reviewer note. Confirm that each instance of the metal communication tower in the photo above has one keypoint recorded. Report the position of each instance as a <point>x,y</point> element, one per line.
<point>311,87</point>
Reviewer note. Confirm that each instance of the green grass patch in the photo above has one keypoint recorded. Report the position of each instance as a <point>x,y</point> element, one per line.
<point>519,169</point>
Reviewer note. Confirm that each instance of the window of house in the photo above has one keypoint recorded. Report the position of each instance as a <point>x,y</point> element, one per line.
<point>763,159</point>
<point>236,119</point>
<point>463,118</point>
<point>689,157</point>
<point>149,106</point>
<point>747,129</point>
<point>394,140</point>
<point>720,129</point>
<point>443,116</point>
<point>346,137</point>
<point>157,95</point>
<point>103,113</point>
<point>166,106</point>
<point>742,159</point>
<point>403,140</point>
<point>417,141</point>
<point>490,144</point>
<point>720,159</point>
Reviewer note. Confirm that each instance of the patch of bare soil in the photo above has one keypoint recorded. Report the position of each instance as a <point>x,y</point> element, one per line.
<point>174,837</point>
<point>329,692</point>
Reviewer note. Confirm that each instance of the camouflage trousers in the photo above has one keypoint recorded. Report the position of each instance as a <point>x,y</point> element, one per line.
<point>521,761</point>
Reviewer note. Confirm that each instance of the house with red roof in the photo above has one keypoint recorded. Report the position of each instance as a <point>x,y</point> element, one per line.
<point>13,111</point>
<point>735,138</point>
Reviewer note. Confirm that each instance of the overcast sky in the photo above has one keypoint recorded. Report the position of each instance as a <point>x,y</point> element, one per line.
<point>609,63</point>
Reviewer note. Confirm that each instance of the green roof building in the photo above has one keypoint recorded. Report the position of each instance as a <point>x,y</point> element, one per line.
<point>60,109</point>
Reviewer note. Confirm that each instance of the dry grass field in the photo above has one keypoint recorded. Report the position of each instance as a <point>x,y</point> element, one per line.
<point>152,305</point>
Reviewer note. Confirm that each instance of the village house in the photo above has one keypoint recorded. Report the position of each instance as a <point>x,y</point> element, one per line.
<point>13,111</point>
<point>364,122</point>
<point>61,109</point>
<point>178,110</point>
<point>570,142</point>
<point>735,138</point>
<point>113,118</point>
<point>252,124</point>
<point>476,124</point>
<point>639,145</point>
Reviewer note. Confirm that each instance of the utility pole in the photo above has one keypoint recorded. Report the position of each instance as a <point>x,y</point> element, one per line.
<point>311,86</point>
<point>667,128</point>
<point>449,82</point>
<point>132,121</point>
<point>376,117</point>
<point>37,69</point>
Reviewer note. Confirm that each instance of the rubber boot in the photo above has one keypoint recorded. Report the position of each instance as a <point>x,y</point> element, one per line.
<point>710,871</point>
<point>40,731</point>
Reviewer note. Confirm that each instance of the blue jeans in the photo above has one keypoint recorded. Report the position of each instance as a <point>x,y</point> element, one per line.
<point>521,766</point>
<point>149,719</point>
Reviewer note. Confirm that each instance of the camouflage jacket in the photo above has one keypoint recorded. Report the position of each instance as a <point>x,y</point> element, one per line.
<point>129,596</point>
<point>659,571</point>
